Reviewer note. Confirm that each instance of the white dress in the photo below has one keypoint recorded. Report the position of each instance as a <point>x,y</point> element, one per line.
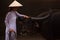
<point>10,22</point>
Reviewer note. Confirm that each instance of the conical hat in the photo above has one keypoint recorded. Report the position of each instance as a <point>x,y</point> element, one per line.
<point>15,4</point>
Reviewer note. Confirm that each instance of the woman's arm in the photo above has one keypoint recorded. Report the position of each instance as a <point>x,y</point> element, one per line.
<point>20,15</point>
<point>6,19</point>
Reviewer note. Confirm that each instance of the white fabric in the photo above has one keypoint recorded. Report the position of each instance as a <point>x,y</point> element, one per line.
<point>10,22</point>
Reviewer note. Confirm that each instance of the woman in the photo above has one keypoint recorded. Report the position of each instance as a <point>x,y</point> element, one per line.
<point>10,20</point>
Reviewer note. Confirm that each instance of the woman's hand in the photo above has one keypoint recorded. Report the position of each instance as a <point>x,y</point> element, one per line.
<point>26,16</point>
<point>11,30</point>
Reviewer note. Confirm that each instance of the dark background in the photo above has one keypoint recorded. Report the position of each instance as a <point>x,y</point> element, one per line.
<point>30,7</point>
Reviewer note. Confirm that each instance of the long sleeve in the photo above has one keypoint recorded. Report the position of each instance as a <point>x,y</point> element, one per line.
<point>6,19</point>
<point>20,15</point>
